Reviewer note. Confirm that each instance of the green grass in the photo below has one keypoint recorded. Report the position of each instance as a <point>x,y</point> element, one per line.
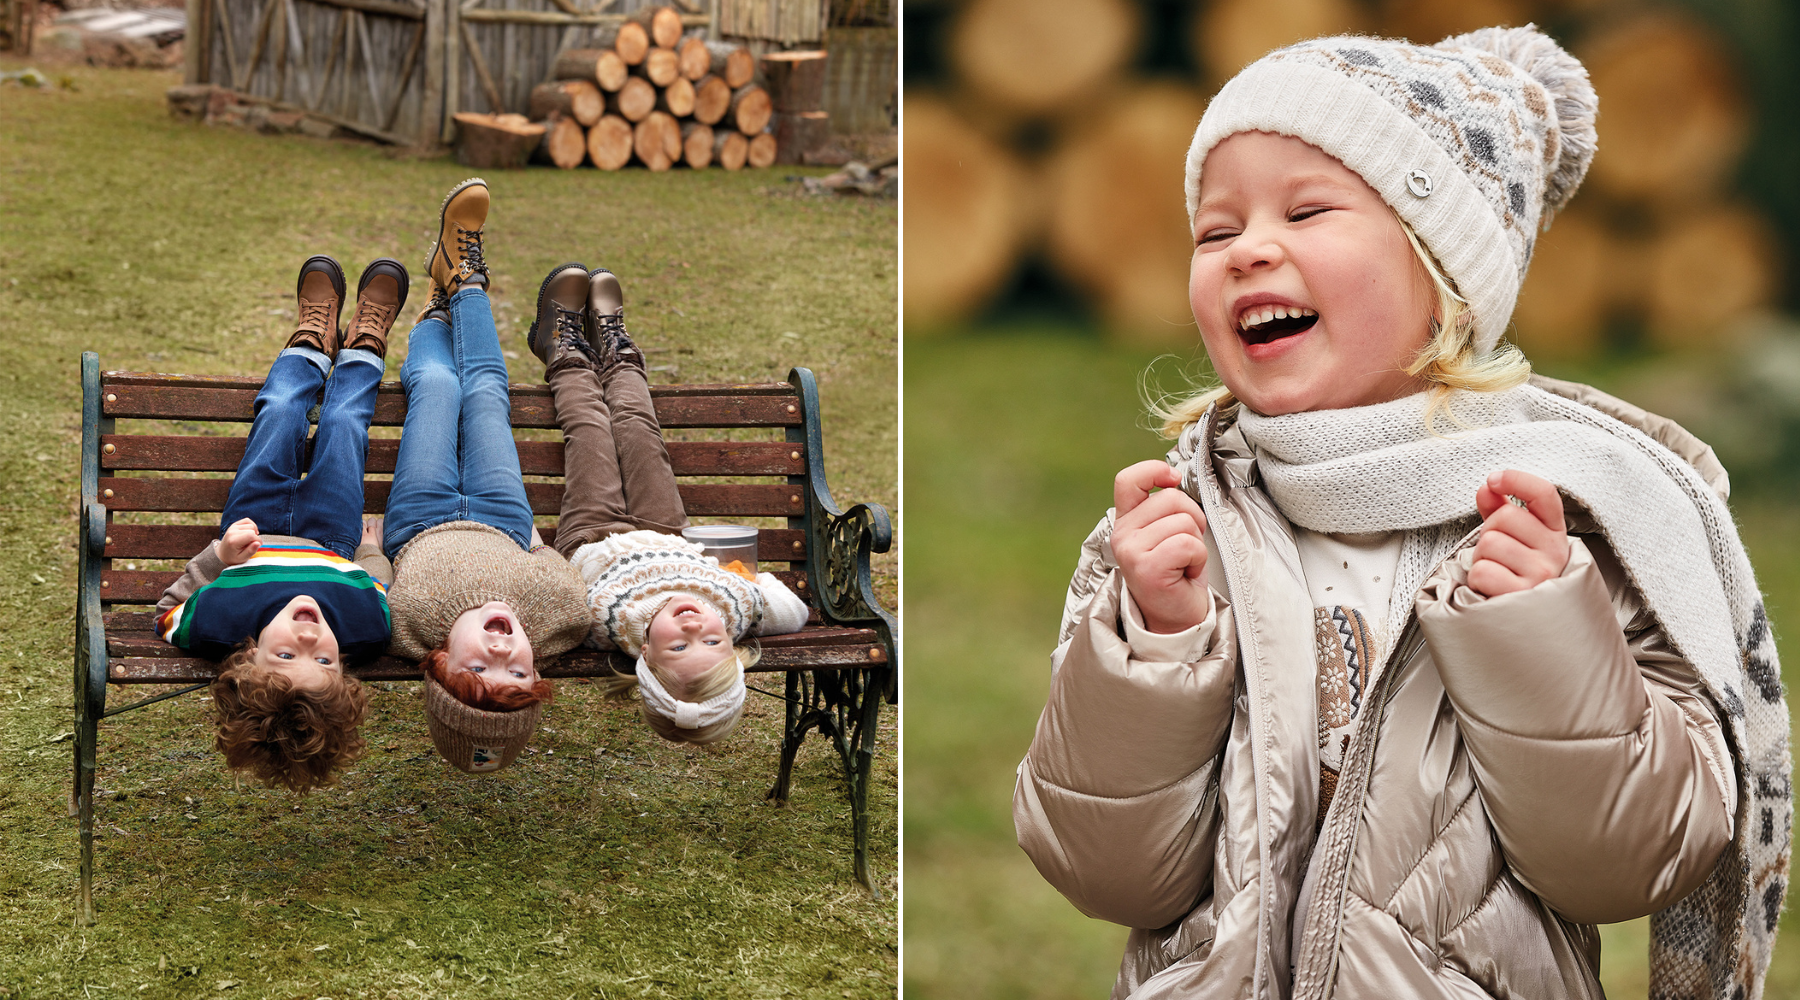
<point>607,863</point>
<point>1013,438</point>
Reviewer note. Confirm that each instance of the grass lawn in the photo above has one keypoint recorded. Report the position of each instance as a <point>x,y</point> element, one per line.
<point>607,863</point>
<point>1013,438</point>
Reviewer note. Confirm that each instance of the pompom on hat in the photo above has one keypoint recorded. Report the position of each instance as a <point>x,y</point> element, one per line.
<point>1475,141</point>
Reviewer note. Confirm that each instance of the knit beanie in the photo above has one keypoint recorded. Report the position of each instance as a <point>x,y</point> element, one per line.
<point>474,740</point>
<point>632,575</point>
<point>1475,141</point>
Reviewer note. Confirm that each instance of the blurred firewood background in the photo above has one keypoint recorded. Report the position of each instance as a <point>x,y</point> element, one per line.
<point>1045,141</point>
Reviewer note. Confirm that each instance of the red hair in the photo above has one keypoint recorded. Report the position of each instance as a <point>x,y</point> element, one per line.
<point>468,687</point>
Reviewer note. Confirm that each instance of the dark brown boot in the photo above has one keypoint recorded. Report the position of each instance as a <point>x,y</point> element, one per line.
<point>380,295</point>
<point>319,293</point>
<point>564,290</point>
<point>606,318</point>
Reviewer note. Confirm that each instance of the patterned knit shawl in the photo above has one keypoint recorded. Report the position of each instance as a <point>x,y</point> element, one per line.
<point>1376,468</point>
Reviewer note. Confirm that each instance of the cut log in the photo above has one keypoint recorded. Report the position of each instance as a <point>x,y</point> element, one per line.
<point>795,80</point>
<point>1706,271</point>
<point>1111,231</point>
<point>632,42</point>
<point>677,98</point>
<point>601,66</point>
<point>671,133</point>
<point>695,61</point>
<point>609,143</point>
<point>1032,57</point>
<point>733,63</point>
<point>730,148</point>
<point>663,24</point>
<point>1676,121</point>
<point>577,99</point>
<point>712,98</point>
<point>660,66</point>
<point>763,150</point>
<point>564,143</point>
<point>1434,19</point>
<point>750,109</point>
<point>1567,294</point>
<point>1231,34</point>
<point>965,217</point>
<point>648,143</point>
<point>634,101</point>
<point>801,133</point>
<point>696,145</point>
<point>495,142</point>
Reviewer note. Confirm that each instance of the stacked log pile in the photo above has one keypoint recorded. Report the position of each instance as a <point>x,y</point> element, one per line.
<point>655,98</point>
<point>1042,152</point>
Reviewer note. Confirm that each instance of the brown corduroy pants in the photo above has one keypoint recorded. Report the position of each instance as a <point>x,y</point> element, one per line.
<point>616,471</point>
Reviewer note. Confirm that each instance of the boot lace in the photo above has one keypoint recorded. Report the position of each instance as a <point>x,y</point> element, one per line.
<point>315,317</point>
<point>468,244</point>
<point>371,320</point>
<point>569,336</point>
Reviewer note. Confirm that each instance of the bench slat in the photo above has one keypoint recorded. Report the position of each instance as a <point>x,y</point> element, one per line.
<point>146,586</point>
<point>112,379</point>
<point>144,644</point>
<point>208,495</point>
<point>172,453</point>
<point>179,402</point>
<point>181,541</point>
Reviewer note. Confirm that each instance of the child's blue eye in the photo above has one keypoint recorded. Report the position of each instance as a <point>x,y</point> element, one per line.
<point>712,642</point>
<point>678,648</point>
<point>284,656</point>
<point>478,668</point>
<point>323,659</point>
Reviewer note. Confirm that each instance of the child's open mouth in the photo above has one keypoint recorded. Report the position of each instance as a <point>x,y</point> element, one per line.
<point>306,615</point>
<point>1262,324</point>
<point>498,624</point>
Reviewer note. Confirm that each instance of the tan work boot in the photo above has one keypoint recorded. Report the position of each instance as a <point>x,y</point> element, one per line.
<point>380,294</point>
<point>319,293</point>
<point>606,316</point>
<point>456,257</point>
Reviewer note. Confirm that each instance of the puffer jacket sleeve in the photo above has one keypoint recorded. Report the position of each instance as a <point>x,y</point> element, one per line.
<point>1112,801</point>
<point>1599,756</point>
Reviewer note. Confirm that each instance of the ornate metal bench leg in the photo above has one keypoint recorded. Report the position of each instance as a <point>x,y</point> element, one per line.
<point>87,733</point>
<point>790,741</point>
<point>873,687</point>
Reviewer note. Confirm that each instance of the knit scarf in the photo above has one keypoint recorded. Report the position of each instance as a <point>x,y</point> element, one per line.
<point>1378,468</point>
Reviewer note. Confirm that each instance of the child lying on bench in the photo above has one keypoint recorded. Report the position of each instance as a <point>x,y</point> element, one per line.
<point>295,587</point>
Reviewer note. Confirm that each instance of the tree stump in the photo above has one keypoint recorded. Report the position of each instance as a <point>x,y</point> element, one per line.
<point>609,143</point>
<point>696,145</point>
<point>750,109</point>
<point>495,142</point>
<point>632,42</point>
<point>797,134</point>
<point>663,24</point>
<point>730,148</point>
<point>677,98</point>
<point>601,66</point>
<point>733,63</point>
<point>577,99</point>
<point>564,143</point>
<point>634,101</point>
<point>763,150</point>
<point>795,80</point>
<point>712,98</point>
<point>694,59</point>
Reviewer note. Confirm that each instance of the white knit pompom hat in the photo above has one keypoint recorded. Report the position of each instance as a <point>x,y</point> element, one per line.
<point>1475,141</point>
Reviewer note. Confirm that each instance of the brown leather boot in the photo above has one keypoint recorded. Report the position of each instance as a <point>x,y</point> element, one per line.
<point>319,292</point>
<point>456,257</point>
<point>380,294</point>
<point>562,299</point>
<point>606,318</point>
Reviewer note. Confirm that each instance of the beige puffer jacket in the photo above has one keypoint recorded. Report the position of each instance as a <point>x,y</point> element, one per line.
<point>1544,762</point>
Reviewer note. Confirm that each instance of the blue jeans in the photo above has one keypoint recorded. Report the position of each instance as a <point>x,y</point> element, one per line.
<point>457,458</point>
<point>327,504</point>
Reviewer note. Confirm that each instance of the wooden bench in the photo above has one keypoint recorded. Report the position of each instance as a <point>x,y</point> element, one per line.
<point>839,669</point>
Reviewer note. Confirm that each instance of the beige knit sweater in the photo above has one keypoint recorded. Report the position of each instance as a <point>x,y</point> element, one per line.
<point>450,568</point>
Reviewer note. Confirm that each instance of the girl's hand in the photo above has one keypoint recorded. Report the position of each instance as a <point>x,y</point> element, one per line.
<point>1520,547</point>
<point>1158,539</point>
<point>371,530</point>
<point>239,542</point>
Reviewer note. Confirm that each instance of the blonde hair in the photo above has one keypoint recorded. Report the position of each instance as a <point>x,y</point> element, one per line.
<point>717,680</point>
<point>1447,361</point>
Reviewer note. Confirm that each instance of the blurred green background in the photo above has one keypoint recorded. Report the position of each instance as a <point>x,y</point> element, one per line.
<point>1044,267</point>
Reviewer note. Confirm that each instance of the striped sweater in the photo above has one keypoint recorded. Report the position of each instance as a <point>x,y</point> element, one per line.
<point>213,607</point>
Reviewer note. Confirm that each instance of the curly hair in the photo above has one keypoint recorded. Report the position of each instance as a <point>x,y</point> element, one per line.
<point>283,734</point>
<point>469,689</point>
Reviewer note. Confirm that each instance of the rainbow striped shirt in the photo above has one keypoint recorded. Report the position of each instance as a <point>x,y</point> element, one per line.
<point>244,598</point>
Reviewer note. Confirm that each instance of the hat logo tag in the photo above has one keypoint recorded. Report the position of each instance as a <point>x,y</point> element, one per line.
<point>1418,182</point>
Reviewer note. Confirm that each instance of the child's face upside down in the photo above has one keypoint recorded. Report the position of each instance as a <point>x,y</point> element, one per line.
<point>686,638</point>
<point>300,643</point>
<point>1306,291</point>
<point>489,642</point>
